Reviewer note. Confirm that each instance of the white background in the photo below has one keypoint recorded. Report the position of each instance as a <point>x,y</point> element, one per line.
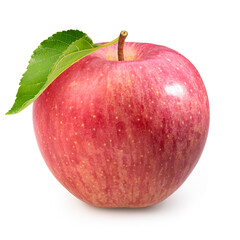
<point>33,205</point>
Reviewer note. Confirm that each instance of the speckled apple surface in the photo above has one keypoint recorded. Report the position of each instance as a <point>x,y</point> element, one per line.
<point>123,134</point>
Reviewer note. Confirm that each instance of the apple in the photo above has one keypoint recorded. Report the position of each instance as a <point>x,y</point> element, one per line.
<point>123,133</point>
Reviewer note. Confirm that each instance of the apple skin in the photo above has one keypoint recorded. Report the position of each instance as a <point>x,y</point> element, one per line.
<point>123,133</point>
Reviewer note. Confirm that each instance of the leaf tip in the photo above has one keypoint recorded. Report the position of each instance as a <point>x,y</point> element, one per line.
<point>10,112</point>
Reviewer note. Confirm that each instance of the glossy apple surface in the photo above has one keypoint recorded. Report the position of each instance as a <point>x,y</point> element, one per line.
<point>123,134</point>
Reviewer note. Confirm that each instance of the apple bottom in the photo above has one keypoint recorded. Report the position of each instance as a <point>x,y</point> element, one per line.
<point>134,192</point>
<point>130,171</point>
<point>121,186</point>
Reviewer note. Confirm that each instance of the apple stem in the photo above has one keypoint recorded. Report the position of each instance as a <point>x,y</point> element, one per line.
<point>121,40</point>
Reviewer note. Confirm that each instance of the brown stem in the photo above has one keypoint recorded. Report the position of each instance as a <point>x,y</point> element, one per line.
<point>121,40</point>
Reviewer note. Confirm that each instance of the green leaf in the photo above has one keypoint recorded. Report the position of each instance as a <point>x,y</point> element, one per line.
<point>49,60</point>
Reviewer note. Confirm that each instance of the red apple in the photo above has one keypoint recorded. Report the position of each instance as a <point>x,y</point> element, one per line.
<point>123,133</point>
